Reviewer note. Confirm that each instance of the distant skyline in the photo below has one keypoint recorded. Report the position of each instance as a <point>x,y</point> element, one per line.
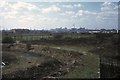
<point>50,15</point>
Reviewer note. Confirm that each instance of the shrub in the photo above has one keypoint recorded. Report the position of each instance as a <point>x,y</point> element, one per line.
<point>58,36</point>
<point>8,40</point>
<point>46,48</point>
<point>28,46</point>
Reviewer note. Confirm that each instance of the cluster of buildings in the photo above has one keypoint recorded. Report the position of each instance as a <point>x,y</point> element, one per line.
<point>83,30</point>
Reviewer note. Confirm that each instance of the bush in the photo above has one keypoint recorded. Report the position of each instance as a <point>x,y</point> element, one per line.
<point>8,40</point>
<point>28,46</point>
<point>58,36</point>
<point>46,48</point>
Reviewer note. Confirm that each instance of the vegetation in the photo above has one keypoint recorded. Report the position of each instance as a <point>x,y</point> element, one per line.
<point>8,40</point>
<point>28,46</point>
<point>58,36</point>
<point>68,55</point>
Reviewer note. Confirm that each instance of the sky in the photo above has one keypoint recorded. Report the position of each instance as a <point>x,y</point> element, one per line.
<point>63,0</point>
<point>49,15</point>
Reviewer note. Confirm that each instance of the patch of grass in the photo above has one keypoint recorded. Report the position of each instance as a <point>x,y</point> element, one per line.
<point>88,70</point>
<point>22,61</point>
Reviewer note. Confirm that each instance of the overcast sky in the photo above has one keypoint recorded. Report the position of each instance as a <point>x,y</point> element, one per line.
<point>49,15</point>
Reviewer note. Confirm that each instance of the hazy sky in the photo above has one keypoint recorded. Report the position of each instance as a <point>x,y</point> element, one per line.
<point>47,15</point>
